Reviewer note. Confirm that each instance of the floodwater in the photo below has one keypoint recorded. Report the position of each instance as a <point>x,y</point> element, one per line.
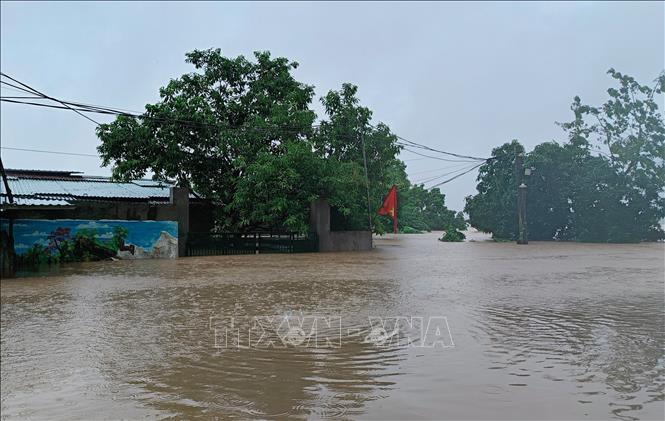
<point>544,331</point>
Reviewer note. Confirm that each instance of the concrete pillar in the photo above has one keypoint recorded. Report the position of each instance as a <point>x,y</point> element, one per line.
<point>319,216</point>
<point>522,233</point>
<point>7,254</point>
<point>179,198</point>
<point>319,221</point>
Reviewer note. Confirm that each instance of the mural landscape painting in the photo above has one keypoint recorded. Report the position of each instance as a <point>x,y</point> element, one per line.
<point>40,242</point>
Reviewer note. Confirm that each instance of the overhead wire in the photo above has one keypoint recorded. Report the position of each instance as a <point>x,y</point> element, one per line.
<point>14,87</point>
<point>436,157</point>
<point>80,108</point>
<point>437,177</point>
<point>437,169</point>
<point>15,101</point>
<point>110,111</point>
<point>455,177</point>
<point>419,145</point>
<point>50,152</point>
<point>38,93</point>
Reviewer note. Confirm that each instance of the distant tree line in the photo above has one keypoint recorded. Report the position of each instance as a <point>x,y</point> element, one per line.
<point>606,183</point>
<point>242,134</point>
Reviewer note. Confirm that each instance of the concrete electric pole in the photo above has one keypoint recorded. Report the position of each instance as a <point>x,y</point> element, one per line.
<point>522,235</point>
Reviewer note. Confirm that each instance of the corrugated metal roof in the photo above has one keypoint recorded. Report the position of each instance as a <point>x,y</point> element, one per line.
<point>64,190</point>
<point>84,188</point>
<point>30,201</point>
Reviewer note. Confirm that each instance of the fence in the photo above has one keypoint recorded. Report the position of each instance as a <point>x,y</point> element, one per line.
<point>214,244</point>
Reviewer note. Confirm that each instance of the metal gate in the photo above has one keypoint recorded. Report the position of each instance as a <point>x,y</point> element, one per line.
<point>228,243</point>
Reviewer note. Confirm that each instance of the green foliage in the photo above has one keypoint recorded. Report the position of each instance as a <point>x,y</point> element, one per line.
<point>339,141</point>
<point>452,235</point>
<point>211,125</point>
<point>241,133</point>
<point>620,198</point>
<point>276,189</point>
<point>550,188</point>
<point>604,185</point>
<point>426,210</point>
<point>493,209</point>
<point>410,230</point>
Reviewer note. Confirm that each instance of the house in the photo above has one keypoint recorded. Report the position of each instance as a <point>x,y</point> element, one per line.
<point>71,199</point>
<point>62,216</point>
<point>40,194</point>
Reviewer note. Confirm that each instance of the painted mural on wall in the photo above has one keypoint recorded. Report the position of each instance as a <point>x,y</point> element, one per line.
<point>40,241</point>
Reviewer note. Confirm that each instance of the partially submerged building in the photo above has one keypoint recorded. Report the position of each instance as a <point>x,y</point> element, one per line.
<point>68,215</point>
<point>39,194</point>
<point>62,216</point>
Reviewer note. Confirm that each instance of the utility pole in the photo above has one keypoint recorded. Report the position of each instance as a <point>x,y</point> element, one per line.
<point>369,205</point>
<point>8,266</point>
<point>10,196</point>
<point>522,235</point>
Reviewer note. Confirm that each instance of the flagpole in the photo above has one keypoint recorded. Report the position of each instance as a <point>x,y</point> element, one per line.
<point>389,206</point>
<point>395,216</point>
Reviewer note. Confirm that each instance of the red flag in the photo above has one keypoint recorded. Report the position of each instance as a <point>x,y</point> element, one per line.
<point>389,206</point>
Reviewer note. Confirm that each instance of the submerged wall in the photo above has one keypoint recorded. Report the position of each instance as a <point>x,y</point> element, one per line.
<point>347,241</point>
<point>190,216</point>
<point>39,241</point>
<point>319,219</point>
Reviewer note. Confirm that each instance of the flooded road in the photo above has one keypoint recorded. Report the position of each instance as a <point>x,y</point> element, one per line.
<point>544,331</point>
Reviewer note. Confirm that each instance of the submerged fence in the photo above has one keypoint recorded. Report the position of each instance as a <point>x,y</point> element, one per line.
<point>214,244</point>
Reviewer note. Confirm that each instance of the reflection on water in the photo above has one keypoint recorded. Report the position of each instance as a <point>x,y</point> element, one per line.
<point>547,330</point>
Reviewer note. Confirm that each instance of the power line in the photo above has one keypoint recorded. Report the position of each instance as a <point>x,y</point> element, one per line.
<point>437,169</point>
<point>19,97</point>
<point>81,108</point>
<point>62,107</point>
<point>418,145</point>
<point>36,92</point>
<point>110,111</point>
<point>15,87</point>
<point>437,177</point>
<point>421,146</point>
<point>457,176</point>
<point>51,152</point>
<point>435,157</point>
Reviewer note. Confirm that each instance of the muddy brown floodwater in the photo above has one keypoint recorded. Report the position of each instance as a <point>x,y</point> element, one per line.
<point>548,330</point>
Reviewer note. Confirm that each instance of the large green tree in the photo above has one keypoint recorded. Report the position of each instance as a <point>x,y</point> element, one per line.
<point>492,209</point>
<point>346,139</point>
<point>242,134</point>
<point>212,125</point>
<point>620,197</point>
<point>605,184</point>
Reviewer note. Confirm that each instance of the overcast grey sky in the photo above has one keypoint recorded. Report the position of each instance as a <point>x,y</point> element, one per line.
<point>463,77</point>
